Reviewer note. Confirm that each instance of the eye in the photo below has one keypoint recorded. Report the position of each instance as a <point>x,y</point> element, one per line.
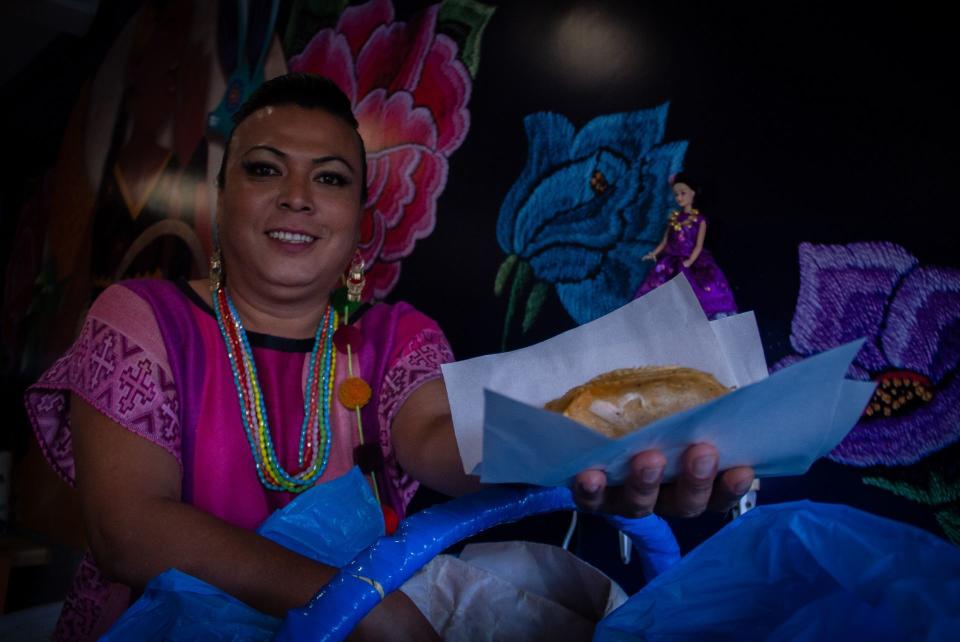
<point>260,169</point>
<point>333,179</point>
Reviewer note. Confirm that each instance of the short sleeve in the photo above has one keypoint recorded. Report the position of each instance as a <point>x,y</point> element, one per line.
<point>118,364</point>
<point>415,350</point>
<point>417,362</point>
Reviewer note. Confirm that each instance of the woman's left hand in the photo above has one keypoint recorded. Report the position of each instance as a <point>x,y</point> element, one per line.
<point>698,487</point>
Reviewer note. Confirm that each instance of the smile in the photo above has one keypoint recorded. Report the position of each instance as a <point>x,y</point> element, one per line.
<point>291,237</point>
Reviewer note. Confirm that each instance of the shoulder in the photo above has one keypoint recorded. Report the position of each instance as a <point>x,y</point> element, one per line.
<point>134,294</point>
<point>398,330</point>
<point>397,318</point>
<point>121,304</point>
<point>140,309</point>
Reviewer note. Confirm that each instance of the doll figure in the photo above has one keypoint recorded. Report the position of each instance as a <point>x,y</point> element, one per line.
<point>681,250</point>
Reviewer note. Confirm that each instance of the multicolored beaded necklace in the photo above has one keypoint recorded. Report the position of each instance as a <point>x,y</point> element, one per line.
<point>315,434</point>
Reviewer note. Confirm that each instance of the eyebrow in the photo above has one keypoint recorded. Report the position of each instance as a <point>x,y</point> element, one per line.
<point>316,161</point>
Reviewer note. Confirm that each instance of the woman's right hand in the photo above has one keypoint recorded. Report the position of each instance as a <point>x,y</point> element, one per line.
<point>649,256</point>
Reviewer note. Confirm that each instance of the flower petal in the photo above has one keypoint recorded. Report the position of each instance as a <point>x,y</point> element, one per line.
<point>378,176</point>
<point>399,165</point>
<point>358,22</point>
<point>382,278</point>
<point>393,56</point>
<point>392,120</point>
<point>372,234</point>
<point>328,54</point>
<point>922,330</point>
<point>563,209</point>
<point>568,265</point>
<point>904,439</point>
<point>631,133</point>
<point>602,292</point>
<point>843,296</point>
<point>549,137</point>
<point>445,86</point>
<point>419,216</point>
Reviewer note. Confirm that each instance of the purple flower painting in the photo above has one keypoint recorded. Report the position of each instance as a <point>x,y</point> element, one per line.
<point>910,316</point>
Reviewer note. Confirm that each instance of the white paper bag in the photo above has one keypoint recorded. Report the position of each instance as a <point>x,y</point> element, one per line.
<point>513,591</point>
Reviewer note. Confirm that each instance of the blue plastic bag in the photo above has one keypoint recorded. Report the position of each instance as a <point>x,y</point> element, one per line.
<point>801,572</point>
<point>330,523</point>
<point>177,606</point>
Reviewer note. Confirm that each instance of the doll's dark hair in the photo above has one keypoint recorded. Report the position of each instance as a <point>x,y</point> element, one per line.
<point>686,179</point>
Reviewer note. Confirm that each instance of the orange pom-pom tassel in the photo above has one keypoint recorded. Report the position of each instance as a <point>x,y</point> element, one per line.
<point>390,519</point>
<point>354,393</point>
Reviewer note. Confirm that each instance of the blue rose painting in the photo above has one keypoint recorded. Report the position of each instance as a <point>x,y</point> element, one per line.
<point>584,211</point>
<point>908,439</point>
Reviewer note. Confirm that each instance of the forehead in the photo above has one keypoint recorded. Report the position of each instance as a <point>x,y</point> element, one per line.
<point>297,130</point>
<point>680,187</point>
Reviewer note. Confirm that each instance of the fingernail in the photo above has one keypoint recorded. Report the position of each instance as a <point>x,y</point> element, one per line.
<point>651,475</point>
<point>589,487</point>
<point>742,487</point>
<point>703,467</point>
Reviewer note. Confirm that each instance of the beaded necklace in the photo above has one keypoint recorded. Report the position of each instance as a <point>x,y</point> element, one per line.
<point>314,446</point>
<point>680,225</point>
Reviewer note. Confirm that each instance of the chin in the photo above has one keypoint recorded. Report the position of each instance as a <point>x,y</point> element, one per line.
<point>287,281</point>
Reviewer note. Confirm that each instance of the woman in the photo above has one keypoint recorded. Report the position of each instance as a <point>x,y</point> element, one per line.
<point>681,250</point>
<point>153,413</point>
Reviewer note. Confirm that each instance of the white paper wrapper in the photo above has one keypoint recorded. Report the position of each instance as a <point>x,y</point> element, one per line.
<point>778,424</point>
<point>513,591</point>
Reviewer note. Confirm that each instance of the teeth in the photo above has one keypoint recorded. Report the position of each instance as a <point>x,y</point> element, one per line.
<point>290,237</point>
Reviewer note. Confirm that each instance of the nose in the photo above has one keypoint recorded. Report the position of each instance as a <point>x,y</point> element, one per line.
<point>295,194</point>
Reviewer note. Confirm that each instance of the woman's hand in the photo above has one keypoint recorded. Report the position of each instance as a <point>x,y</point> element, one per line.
<point>698,487</point>
<point>650,256</point>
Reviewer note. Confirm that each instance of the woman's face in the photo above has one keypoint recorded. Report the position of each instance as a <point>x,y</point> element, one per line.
<point>289,209</point>
<point>683,195</point>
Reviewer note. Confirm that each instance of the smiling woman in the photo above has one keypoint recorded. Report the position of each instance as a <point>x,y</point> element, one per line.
<point>215,398</point>
<point>292,212</point>
<point>187,414</point>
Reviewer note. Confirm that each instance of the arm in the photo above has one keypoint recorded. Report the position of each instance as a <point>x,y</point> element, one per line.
<point>135,522</point>
<point>652,255</point>
<point>701,234</point>
<point>427,448</point>
<point>425,443</point>
<point>138,527</point>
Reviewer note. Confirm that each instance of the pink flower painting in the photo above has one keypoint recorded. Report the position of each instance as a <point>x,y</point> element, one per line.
<point>409,90</point>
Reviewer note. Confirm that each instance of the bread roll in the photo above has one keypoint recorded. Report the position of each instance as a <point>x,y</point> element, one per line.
<point>621,401</point>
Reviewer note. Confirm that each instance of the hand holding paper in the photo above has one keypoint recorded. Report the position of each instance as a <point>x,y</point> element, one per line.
<point>777,425</point>
<point>698,487</point>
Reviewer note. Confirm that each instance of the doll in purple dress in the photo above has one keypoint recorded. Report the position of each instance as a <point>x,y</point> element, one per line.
<point>681,250</point>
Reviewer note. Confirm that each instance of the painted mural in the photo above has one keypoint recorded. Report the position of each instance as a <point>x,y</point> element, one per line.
<point>410,88</point>
<point>139,201</point>
<point>907,440</point>
<point>587,207</point>
<point>128,195</point>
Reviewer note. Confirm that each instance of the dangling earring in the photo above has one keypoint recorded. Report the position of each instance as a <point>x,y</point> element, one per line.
<point>216,270</point>
<point>356,279</point>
